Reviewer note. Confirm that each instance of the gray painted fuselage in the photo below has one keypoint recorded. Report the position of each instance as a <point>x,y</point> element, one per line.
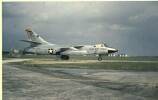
<point>39,46</point>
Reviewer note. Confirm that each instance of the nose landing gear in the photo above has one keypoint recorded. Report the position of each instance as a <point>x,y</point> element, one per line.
<point>100,58</point>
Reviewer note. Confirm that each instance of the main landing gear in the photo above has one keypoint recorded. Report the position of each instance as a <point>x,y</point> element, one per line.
<point>64,57</point>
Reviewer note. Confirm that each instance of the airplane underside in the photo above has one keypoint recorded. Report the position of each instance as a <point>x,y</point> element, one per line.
<point>67,57</point>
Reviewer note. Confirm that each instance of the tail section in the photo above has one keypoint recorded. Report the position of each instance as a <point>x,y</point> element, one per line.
<point>34,37</point>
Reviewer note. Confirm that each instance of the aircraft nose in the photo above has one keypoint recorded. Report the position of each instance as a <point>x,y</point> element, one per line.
<point>112,50</point>
<point>116,50</point>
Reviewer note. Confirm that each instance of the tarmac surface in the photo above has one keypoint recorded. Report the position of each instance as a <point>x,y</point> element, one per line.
<point>21,82</point>
<point>15,60</point>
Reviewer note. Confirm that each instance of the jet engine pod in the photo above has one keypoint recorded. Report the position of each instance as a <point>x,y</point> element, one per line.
<point>51,51</point>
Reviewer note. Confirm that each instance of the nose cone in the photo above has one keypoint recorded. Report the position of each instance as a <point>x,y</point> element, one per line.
<point>111,50</point>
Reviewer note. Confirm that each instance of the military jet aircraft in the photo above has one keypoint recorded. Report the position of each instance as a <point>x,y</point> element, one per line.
<point>39,46</point>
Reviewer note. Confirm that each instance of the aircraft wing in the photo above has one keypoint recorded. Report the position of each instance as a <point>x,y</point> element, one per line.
<point>78,47</point>
<point>31,42</point>
<point>75,50</point>
<point>66,49</point>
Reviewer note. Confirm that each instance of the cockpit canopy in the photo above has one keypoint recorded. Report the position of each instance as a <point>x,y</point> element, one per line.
<point>101,45</point>
<point>106,45</point>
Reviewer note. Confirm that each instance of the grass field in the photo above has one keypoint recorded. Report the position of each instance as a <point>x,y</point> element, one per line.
<point>89,57</point>
<point>118,63</point>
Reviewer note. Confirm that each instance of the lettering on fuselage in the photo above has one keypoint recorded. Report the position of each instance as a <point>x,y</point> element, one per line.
<point>96,49</point>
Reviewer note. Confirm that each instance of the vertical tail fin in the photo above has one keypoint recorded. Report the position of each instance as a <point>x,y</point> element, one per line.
<point>34,37</point>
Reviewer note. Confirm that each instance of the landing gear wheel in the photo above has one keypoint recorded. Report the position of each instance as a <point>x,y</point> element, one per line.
<point>99,58</point>
<point>64,57</point>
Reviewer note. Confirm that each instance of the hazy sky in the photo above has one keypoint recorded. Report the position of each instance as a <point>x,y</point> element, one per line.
<point>131,27</point>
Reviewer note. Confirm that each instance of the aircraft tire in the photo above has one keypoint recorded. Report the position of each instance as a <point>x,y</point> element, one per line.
<point>64,57</point>
<point>99,58</point>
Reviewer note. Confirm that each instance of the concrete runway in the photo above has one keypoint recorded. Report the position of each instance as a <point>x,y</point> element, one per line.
<point>33,83</point>
<point>15,60</point>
